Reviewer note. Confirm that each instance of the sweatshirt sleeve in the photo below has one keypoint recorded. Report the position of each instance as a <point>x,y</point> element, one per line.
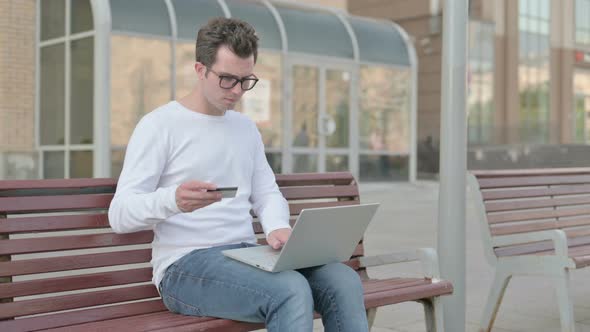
<point>267,200</point>
<point>138,203</point>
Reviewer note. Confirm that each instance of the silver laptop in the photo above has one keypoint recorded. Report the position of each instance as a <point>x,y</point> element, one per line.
<point>320,236</point>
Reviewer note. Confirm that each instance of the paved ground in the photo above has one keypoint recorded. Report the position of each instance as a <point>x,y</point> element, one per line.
<point>407,219</point>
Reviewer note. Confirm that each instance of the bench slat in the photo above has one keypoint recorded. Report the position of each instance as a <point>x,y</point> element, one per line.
<point>53,223</point>
<point>65,302</point>
<point>535,203</point>
<point>314,192</point>
<point>305,179</point>
<point>538,247</point>
<point>538,226</point>
<point>57,183</point>
<point>45,244</point>
<point>380,292</point>
<point>69,283</point>
<point>36,204</point>
<point>496,218</point>
<point>74,262</point>
<point>536,192</point>
<point>529,181</point>
<point>83,316</point>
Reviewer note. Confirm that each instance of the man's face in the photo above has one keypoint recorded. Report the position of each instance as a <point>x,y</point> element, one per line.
<point>226,64</point>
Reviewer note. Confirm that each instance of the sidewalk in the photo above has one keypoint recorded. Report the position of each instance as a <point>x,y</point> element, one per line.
<point>407,219</point>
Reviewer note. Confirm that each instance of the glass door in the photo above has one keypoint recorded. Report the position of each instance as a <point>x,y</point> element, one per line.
<point>319,120</point>
<point>582,106</point>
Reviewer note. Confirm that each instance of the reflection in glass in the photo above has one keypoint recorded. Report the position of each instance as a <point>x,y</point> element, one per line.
<point>81,16</point>
<point>582,106</point>
<point>383,168</point>
<point>53,165</point>
<point>82,88</point>
<point>275,162</point>
<point>52,94</point>
<point>305,106</point>
<point>533,69</point>
<point>481,83</point>
<point>81,164</point>
<point>336,163</point>
<point>140,82</point>
<point>384,119</point>
<point>582,22</point>
<point>336,124</point>
<point>117,158</point>
<point>53,21</point>
<point>304,163</point>
<point>263,103</point>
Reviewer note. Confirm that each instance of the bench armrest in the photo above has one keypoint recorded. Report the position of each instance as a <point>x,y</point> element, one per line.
<point>427,257</point>
<point>556,235</point>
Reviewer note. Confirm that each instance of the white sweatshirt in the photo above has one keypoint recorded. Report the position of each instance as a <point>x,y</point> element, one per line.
<point>172,145</point>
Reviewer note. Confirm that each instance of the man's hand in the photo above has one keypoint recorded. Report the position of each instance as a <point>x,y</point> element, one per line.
<point>277,238</point>
<point>193,195</point>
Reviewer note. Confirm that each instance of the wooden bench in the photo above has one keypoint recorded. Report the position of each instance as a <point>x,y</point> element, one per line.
<point>533,222</point>
<point>64,267</point>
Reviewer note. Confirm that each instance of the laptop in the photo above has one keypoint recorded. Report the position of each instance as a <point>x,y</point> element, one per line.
<point>320,236</point>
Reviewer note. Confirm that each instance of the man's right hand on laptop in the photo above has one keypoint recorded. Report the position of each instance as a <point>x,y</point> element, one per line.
<point>193,195</point>
<point>277,238</point>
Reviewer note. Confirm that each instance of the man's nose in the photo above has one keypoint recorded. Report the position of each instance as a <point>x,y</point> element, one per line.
<point>237,89</point>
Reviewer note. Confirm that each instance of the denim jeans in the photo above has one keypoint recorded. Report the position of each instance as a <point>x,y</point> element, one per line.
<point>206,283</point>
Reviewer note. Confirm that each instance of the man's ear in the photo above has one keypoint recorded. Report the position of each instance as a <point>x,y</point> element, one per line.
<point>201,70</point>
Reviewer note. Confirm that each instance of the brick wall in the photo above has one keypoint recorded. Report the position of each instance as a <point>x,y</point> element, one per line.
<point>17,83</point>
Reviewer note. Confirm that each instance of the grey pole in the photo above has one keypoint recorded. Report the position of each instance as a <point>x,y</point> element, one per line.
<point>453,162</point>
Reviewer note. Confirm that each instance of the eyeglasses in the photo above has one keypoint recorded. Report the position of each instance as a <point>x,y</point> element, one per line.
<point>229,81</point>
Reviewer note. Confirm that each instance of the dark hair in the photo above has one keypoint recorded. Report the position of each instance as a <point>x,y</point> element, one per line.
<point>236,34</point>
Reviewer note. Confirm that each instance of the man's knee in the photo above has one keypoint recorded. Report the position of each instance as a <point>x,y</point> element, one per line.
<point>293,288</point>
<point>342,278</point>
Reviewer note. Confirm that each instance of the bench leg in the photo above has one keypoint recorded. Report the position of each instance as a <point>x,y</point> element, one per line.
<point>497,290</point>
<point>371,313</point>
<point>433,314</point>
<point>565,302</point>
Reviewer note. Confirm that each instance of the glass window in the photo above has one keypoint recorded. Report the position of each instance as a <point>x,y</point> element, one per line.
<point>53,165</point>
<point>329,34</point>
<point>305,163</point>
<point>384,119</point>
<point>81,164</point>
<point>379,42</point>
<point>275,162</point>
<point>141,16</point>
<point>81,17</point>
<point>582,17</point>
<point>82,91</point>
<point>305,106</point>
<point>53,22</point>
<point>263,103</point>
<point>192,14</point>
<point>481,83</point>
<point>534,71</point>
<point>261,19</point>
<point>52,95</point>
<point>336,124</point>
<point>383,168</point>
<point>140,82</point>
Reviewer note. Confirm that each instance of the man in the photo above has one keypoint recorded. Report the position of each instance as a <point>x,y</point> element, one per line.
<point>184,149</point>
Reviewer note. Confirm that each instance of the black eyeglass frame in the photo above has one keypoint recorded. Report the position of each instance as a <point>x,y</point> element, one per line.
<point>235,80</point>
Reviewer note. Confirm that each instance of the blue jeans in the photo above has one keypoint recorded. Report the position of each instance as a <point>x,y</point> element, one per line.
<point>206,283</point>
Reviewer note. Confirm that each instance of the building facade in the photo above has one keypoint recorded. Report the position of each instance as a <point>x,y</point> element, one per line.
<point>528,74</point>
<point>79,74</point>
